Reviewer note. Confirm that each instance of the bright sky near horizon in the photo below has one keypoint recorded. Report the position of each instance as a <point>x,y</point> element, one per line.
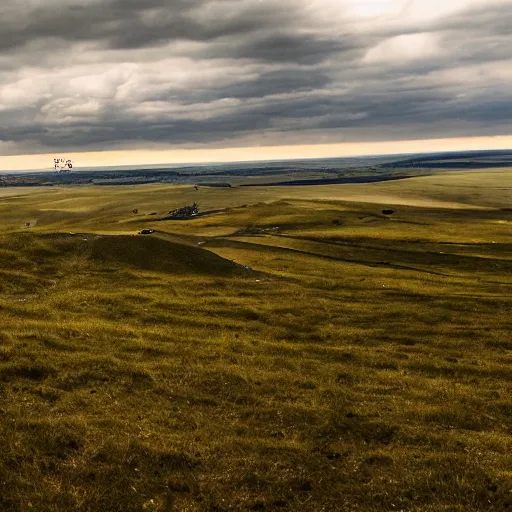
<point>251,154</point>
<point>114,82</point>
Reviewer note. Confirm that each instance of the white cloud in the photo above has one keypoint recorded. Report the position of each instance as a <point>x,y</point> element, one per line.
<point>404,49</point>
<point>70,110</point>
<point>23,93</point>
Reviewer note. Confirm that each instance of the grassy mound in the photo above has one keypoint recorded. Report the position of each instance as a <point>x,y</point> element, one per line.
<point>46,254</point>
<point>156,254</point>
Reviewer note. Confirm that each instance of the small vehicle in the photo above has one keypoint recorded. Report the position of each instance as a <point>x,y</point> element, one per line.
<point>146,232</point>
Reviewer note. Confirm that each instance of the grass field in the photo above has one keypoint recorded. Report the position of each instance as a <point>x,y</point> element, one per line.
<point>294,350</point>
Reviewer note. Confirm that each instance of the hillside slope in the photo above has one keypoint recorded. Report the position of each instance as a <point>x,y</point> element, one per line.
<point>364,365</point>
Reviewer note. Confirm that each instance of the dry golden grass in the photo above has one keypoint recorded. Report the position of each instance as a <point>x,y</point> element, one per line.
<point>362,364</point>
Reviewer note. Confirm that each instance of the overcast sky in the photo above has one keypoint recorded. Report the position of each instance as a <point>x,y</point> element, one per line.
<point>88,75</point>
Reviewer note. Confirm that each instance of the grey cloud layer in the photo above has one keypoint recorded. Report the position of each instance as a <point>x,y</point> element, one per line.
<point>96,75</point>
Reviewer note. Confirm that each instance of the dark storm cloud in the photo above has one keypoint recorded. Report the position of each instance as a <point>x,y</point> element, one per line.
<point>20,23</point>
<point>279,82</point>
<point>102,74</point>
<point>132,23</point>
<point>282,47</point>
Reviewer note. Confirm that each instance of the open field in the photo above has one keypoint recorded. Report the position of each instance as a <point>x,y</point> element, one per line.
<point>316,171</point>
<point>296,350</point>
<point>18,191</point>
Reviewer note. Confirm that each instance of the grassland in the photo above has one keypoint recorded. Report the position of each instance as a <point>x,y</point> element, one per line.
<point>292,351</point>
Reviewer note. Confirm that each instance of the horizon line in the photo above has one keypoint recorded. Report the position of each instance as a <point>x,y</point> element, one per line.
<point>202,156</point>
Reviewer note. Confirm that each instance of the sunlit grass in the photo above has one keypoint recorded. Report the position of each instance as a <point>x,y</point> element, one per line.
<point>350,368</point>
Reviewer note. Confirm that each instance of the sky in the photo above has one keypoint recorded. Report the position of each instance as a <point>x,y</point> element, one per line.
<point>155,81</point>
